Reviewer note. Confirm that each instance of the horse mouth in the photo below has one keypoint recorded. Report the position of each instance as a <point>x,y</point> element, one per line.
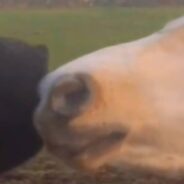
<point>92,155</point>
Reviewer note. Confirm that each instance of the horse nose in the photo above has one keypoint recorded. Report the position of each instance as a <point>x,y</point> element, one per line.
<point>70,95</point>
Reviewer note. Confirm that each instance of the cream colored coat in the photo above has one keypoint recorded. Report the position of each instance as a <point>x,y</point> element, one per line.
<point>136,92</point>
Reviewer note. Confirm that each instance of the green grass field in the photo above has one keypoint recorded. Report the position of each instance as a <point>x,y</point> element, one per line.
<point>70,34</point>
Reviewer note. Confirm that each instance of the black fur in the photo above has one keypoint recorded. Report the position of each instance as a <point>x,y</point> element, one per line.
<point>21,68</point>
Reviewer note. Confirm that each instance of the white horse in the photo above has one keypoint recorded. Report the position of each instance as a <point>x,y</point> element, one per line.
<point>120,105</point>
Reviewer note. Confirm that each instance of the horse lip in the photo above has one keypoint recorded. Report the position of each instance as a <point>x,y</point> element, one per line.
<point>98,152</point>
<point>105,141</point>
<point>74,153</point>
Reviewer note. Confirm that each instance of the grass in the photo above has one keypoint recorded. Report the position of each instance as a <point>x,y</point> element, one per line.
<point>70,34</point>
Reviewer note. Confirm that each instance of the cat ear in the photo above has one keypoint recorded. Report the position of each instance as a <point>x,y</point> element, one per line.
<point>43,49</point>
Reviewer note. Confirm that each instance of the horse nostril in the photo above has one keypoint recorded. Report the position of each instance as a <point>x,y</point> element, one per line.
<point>70,95</point>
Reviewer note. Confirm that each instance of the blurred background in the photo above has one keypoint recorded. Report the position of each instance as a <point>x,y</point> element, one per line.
<point>78,3</point>
<point>71,28</point>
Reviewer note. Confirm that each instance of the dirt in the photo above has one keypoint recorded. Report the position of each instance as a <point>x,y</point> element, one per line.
<point>44,169</point>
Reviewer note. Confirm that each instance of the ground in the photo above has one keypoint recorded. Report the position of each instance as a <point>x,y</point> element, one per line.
<point>44,169</point>
<point>69,34</point>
